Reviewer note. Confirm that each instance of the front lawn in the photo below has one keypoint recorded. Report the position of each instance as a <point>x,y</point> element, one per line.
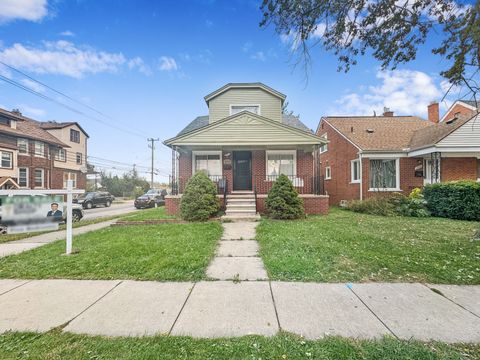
<point>346,246</point>
<point>179,252</point>
<point>148,214</point>
<point>56,345</point>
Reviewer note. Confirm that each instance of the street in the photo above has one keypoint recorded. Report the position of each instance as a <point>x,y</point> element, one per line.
<point>114,209</point>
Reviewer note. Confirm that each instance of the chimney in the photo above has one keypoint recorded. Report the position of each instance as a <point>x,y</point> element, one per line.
<point>387,112</point>
<point>16,112</point>
<point>433,112</point>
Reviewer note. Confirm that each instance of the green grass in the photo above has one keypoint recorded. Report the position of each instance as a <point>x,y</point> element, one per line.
<point>346,246</point>
<point>13,237</point>
<point>148,214</point>
<point>56,345</point>
<point>179,252</point>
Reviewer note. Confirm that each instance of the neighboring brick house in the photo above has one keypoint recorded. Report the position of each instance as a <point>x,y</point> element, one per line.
<point>464,108</point>
<point>245,143</point>
<point>30,154</point>
<point>368,155</point>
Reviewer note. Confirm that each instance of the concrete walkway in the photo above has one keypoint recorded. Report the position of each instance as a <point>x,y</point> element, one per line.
<point>18,246</point>
<point>237,254</point>
<point>226,308</point>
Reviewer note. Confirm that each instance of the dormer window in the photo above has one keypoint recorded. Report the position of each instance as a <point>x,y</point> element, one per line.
<point>235,109</point>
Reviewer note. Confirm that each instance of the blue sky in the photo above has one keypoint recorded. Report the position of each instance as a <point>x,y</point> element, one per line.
<point>147,65</point>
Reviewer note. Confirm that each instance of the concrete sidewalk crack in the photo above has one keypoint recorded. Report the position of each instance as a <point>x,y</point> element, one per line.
<point>181,309</point>
<point>61,327</point>
<point>438,292</point>
<point>16,287</point>
<point>274,306</point>
<point>373,313</point>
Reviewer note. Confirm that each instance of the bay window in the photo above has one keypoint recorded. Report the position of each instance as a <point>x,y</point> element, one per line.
<point>22,146</point>
<point>39,149</point>
<point>384,174</point>
<point>281,162</point>
<point>209,161</point>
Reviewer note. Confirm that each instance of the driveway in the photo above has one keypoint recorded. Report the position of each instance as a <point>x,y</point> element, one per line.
<point>115,209</point>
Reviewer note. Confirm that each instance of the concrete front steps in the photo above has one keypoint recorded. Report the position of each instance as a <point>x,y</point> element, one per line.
<point>241,206</point>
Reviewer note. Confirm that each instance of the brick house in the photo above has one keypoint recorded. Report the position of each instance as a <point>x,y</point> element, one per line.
<point>464,108</point>
<point>244,144</point>
<point>368,155</point>
<point>34,157</point>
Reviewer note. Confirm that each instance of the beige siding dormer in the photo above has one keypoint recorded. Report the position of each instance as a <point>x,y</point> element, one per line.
<point>69,160</point>
<point>269,105</point>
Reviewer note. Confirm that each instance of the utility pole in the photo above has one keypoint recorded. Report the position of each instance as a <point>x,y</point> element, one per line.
<point>152,146</point>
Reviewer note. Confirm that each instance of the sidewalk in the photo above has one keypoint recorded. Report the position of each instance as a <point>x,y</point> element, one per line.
<point>18,246</point>
<point>225,308</point>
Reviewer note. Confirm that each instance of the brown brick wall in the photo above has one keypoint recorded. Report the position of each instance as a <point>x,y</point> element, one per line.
<point>338,156</point>
<point>172,204</point>
<point>458,109</point>
<point>33,162</point>
<point>458,169</point>
<point>313,204</point>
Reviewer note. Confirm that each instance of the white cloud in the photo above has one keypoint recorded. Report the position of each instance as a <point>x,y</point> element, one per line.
<point>33,85</point>
<point>63,58</point>
<point>247,46</point>
<point>31,111</point>
<point>168,64</point>
<point>259,55</point>
<point>138,63</point>
<point>406,92</point>
<point>67,33</point>
<point>32,10</point>
<point>202,57</point>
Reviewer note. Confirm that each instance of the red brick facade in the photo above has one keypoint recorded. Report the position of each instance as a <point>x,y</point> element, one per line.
<point>305,166</point>
<point>458,109</point>
<point>459,168</point>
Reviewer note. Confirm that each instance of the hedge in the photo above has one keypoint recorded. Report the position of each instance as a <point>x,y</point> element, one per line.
<point>283,201</point>
<point>454,200</point>
<point>199,201</point>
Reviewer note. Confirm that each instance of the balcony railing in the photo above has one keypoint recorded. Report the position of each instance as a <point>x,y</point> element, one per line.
<point>220,181</point>
<point>303,184</point>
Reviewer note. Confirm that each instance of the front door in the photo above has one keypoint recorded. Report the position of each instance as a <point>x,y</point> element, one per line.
<point>242,170</point>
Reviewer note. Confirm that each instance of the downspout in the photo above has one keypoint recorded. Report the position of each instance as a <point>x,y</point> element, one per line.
<point>361,175</point>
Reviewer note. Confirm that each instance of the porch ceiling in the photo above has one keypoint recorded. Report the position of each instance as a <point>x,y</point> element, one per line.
<point>246,129</point>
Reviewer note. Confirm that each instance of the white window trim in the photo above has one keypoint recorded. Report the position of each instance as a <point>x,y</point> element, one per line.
<point>352,164</point>
<point>43,178</point>
<point>35,149</point>
<point>324,146</point>
<point>209,152</point>
<point>288,152</point>
<point>329,172</point>
<point>26,173</point>
<point>258,105</point>
<point>70,176</point>
<point>26,143</point>
<point>397,173</point>
<point>11,159</point>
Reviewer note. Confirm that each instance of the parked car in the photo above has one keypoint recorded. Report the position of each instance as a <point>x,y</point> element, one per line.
<point>93,199</point>
<point>77,215</point>
<point>152,198</point>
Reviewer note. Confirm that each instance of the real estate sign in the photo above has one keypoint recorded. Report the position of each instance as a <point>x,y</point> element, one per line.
<point>31,213</point>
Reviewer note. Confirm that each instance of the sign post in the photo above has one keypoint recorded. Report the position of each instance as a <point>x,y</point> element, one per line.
<point>69,216</point>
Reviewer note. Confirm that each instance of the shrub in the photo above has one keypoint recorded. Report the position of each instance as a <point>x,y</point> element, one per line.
<point>283,201</point>
<point>391,205</point>
<point>199,201</point>
<point>378,205</point>
<point>455,200</point>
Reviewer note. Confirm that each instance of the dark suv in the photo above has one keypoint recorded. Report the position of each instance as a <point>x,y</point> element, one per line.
<point>152,198</point>
<point>90,200</point>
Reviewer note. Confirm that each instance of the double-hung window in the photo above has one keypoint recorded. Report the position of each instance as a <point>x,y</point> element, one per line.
<point>23,177</point>
<point>281,162</point>
<point>39,178</point>
<point>61,155</point>
<point>79,158</point>
<point>384,174</point>
<point>74,136</point>
<point>22,145</point>
<point>355,171</point>
<point>235,109</point>
<point>324,147</point>
<point>328,173</point>
<point>39,149</point>
<point>209,162</point>
<point>6,160</point>
<point>69,176</point>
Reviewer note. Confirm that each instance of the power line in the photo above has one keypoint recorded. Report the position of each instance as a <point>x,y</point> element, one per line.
<point>79,112</point>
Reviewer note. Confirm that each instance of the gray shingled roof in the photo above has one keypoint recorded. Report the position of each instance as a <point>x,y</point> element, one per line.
<point>202,121</point>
